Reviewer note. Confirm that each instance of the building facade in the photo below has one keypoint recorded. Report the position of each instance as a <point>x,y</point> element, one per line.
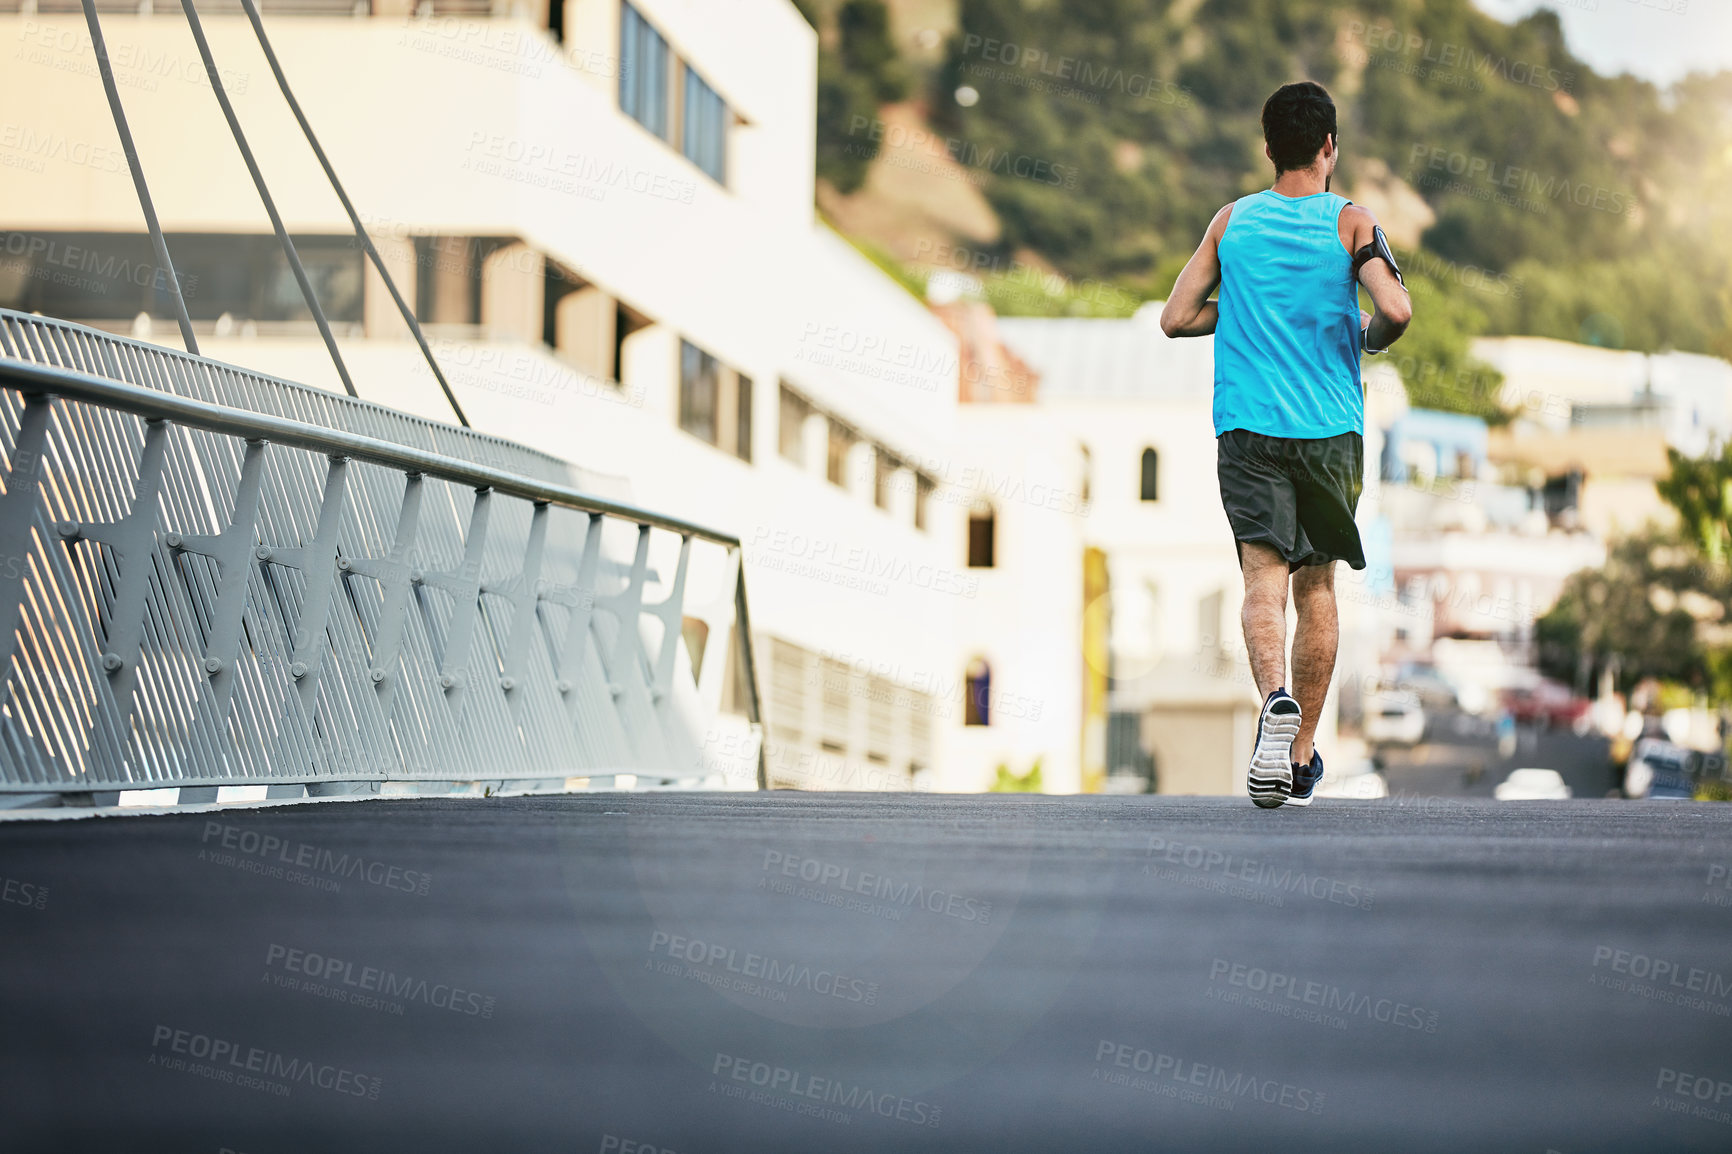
<point>602,211</point>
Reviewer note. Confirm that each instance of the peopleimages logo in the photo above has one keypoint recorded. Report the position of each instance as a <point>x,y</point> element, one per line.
<point>1324,997</point>
<point>222,1060</point>
<point>271,855</point>
<point>45,251</point>
<point>769,971</point>
<point>54,146</point>
<point>1662,980</point>
<point>824,553</point>
<point>1695,1095</point>
<point>1285,878</point>
<point>905,894</point>
<point>998,161</point>
<point>1185,1073</point>
<point>1446,57</point>
<point>1719,885</point>
<point>22,893</point>
<point>781,1080</point>
<point>362,981</point>
<point>1084,73</point>
<point>1505,182</point>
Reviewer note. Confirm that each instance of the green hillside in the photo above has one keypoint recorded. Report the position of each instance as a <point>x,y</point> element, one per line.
<point>1551,200</point>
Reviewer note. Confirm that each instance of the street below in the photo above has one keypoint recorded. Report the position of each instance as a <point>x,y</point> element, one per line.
<point>1459,757</point>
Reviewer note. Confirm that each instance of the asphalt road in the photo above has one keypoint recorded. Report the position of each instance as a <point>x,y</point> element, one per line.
<point>807,972</point>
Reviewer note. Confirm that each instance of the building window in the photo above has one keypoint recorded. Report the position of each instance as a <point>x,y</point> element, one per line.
<point>791,414</point>
<point>1151,475</point>
<point>842,440</point>
<point>982,524</point>
<point>715,402</point>
<point>700,381</point>
<point>667,96</point>
<point>96,276</point>
<point>626,322</point>
<point>705,128</point>
<point>923,487</point>
<point>643,72</point>
<point>883,470</point>
<point>743,417</point>
<point>821,737</point>
<point>977,687</point>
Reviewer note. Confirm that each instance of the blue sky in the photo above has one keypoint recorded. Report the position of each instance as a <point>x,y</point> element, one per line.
<point>1658,40</point>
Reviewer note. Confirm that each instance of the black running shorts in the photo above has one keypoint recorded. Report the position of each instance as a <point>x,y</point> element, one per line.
<point>1295,495</point>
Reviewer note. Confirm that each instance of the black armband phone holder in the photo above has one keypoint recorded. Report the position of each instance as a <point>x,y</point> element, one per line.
<point>1378,249</point>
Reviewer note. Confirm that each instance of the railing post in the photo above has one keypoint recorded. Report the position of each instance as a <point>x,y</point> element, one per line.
<point>131,540</point>
<point>748,668</point>
<point>317,562</point>
<point>17,511</point>
<point>524,592</point>
<point>392,574</point>
<point>234,550</point>
<point>464,586</point>
<point>671,612</point>
<point>575,648</point>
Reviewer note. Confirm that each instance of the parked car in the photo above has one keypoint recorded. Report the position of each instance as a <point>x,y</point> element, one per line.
<point>1394,717</point>
<point>1550,704</point>
<point>1532,785</point>
<point>1661,771</point>
<point>1434,691</point>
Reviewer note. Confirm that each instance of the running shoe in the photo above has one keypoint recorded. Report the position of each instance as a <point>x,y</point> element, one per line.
<point>1305,779</point>
<point>1271,772</point>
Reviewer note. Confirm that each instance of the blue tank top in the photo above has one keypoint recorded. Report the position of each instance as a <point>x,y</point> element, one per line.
<point>1287,338</point>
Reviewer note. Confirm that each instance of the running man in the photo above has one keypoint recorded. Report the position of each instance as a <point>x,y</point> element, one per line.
<point>1290,410</point>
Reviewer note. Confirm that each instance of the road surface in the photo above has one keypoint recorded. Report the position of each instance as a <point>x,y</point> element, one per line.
<point>823,972</point>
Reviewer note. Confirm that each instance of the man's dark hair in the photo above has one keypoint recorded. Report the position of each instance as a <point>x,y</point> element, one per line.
<point>1296,121</point>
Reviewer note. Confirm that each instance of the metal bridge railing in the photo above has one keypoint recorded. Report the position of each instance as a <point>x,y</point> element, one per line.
<point>210,577</point>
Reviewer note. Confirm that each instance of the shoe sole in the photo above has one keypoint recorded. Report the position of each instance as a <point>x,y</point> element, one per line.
<point>1271,774</point>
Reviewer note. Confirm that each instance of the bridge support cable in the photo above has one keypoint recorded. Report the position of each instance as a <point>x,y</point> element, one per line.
<point>348,207</point>
<point>132,162</point>
<point>216,87</point>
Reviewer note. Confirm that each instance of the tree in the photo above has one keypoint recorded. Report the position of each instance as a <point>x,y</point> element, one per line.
<point>861,72</point>
<point>1644,609</point>
<point>866,49</point>
<point>1662,604</point>
<point>1700,488</point>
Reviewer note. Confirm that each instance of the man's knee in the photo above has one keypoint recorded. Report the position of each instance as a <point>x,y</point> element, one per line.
<point>1314,589</point>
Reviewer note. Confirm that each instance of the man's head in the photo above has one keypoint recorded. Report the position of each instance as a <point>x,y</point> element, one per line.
<point>1298,122</point>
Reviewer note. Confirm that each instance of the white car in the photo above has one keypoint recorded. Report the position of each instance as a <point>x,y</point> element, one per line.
<point>1660,771</point>
<point>1532,785</point>
<point>1394,717</point>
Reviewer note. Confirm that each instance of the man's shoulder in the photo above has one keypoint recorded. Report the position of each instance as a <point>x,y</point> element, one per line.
<point>1218,223</point>
<point>1357,220</point>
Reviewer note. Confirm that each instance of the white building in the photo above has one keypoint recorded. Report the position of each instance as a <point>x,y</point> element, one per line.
<point>1597,422</point>
<point>603,212</point>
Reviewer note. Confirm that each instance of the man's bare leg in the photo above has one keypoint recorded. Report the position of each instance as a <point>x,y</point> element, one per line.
<point>1315,639</point>
<point>1264,617</point>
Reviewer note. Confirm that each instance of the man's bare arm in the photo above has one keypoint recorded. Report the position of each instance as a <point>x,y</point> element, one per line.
<point>1189,312</point>
<point>1388,296</point>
